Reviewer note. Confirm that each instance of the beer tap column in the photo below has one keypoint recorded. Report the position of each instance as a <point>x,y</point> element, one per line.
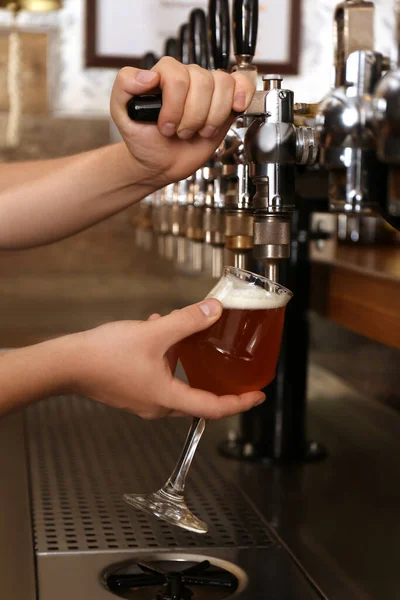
<point>273,147</point>
<point>345,118</point>
<point>235,170</point>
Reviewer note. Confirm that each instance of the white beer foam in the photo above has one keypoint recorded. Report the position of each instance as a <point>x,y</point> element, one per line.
<point>234,293</point>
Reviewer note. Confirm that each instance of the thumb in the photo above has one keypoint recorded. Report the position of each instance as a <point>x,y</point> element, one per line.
<point>180,324</point>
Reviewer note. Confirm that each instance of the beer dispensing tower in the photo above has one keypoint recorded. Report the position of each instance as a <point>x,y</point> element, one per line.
<point>264,156</point>
<point>259,158</point>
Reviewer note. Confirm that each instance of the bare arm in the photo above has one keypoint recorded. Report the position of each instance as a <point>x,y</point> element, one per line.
<point>124,364</point>
<point>59,198</point>
<point>46,201</point>
<point>13,174</point>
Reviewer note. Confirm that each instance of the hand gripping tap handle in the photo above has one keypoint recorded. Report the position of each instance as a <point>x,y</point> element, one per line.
<point>193,47</point>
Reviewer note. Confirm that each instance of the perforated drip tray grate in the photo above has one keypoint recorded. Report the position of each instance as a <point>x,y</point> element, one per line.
<point>84,456</point>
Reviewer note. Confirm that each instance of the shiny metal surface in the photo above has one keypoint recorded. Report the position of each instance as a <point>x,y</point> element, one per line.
<point>74,577</point>
<point>345,127</point>
<point>387,117</point>
<point>83,456</point>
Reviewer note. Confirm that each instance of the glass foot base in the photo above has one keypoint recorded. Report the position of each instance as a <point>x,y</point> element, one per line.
<point>169,508</point>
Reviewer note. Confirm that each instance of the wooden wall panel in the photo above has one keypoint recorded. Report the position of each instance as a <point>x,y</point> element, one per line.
<point>34,72</point>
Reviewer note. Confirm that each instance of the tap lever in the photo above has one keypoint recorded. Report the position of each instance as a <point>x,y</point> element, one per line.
<point>145,109</point>
<point>219,33</point>
<point>198,38</point>
<point>183,44</point>
<point>245,28</point>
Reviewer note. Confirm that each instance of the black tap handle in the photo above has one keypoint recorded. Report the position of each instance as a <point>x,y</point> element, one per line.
<point>145,109</point>
<point>198,37</point>
<point>245,27</point>
<point>171,48</point>
<point>183,44</point>
<point>219,31</point>
<point>149,60</point>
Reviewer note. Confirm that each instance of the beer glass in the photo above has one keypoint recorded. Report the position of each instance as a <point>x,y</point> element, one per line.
<point>238,354</point>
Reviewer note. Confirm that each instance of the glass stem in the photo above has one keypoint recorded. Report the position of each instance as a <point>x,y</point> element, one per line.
<point>177,480</point>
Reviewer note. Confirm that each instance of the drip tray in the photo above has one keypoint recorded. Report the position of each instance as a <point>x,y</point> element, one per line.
<point>168,577</point>
<point>84,456</point>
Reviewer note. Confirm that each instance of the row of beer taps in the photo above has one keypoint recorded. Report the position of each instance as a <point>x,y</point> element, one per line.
<point>238,207</point>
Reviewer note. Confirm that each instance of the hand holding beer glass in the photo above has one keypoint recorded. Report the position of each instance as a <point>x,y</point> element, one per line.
<point>238,354</point>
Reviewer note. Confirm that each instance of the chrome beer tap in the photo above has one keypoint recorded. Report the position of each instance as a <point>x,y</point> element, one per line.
<point>345,118</point>
<point>273,146</point>
<point>235,170</point>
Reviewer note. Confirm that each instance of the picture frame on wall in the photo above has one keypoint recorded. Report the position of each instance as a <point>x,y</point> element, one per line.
<point>120,32</point>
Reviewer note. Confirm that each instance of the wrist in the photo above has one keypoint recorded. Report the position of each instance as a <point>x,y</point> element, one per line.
<point>136,173</point>
<point>59,357</point>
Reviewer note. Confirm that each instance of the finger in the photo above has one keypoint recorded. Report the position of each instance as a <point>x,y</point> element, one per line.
<point>221,104</point>
<point>154,317</point>
<point>181,323</point>
<point>130,82</point>
<point>198,102</point>
<point>175,83</point>
<point>244,92</point>
<point>205,405</point>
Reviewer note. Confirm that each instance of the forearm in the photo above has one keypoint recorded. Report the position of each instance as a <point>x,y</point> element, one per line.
<point>33,373</point>
<point>64,197</point>
<point>15,173</point>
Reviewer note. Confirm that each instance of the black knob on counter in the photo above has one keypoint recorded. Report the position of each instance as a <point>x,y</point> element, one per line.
<point>219,31</point>
<point>149,60</point>
<point>198,38</point>
<point>145,109</point>
<point>184,44</point>
<point>245,27</point>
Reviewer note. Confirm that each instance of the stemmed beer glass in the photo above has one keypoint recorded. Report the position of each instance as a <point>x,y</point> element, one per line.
<point>237,354</point>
